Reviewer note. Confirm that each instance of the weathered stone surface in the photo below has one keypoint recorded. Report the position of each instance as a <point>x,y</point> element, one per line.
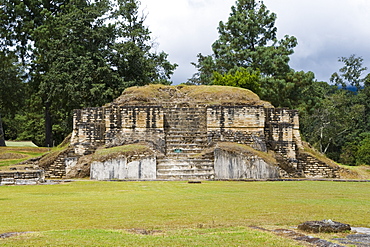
<point>237,166</point>
<point>359,240</point>
<point>22,177</point>
<point>325,226</point>
<point>180,123</point>
<point>119,168</point>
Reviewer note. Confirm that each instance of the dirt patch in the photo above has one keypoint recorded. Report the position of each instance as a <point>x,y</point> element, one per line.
<point>299,237</point>
<point>144,231</point>
<point>12,234</point>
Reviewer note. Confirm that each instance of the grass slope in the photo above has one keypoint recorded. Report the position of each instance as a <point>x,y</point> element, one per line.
<point>211,95</point>
<point>183,212</point>
<point>13,155</point>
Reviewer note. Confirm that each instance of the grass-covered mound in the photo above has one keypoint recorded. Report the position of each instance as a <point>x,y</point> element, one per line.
<point>12,155</point>
<point>158,94</point>
<point>129,151</point>
<point>247,150</point>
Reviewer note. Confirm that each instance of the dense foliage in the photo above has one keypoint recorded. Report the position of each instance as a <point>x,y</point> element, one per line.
<point>58,55</point>
<point>247,54</point>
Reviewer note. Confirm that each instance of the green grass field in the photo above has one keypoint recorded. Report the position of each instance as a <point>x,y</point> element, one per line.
<point>89,213</point>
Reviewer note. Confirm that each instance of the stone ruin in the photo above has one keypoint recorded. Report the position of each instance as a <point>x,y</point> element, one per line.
<point>195,132</point>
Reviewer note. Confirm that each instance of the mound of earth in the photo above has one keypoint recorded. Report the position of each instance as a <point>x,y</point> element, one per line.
<point>157,94</point>
<point>10,156</point>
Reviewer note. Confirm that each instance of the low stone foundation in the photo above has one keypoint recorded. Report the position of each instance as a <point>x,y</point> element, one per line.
<point>22,177</point>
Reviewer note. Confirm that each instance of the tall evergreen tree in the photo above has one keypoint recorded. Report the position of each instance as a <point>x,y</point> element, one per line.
<point>248,40</point>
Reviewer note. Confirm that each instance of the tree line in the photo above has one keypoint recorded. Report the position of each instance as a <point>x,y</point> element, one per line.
<point>58,55</point>
<point>334,116</point>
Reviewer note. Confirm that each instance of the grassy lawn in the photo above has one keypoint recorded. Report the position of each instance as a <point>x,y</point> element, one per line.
<point>13,155</point>
<point>89,213</point>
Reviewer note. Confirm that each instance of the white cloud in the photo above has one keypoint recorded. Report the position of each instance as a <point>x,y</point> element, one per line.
<point>325,30</point>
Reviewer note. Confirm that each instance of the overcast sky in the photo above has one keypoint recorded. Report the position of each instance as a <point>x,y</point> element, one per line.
<point>325,29</point>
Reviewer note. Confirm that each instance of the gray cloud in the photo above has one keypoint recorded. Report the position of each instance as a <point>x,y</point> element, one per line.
<point>326,30</point>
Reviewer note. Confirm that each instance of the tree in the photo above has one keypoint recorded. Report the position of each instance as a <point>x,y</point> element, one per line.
<point>363,150</point>
<point>350,73</point>
<point>2,139</point>
<point>133,56</point>
<point>240,78</point>
<point>81,53</point>
<point>334,126</point>
<point>12,93</point>
<point>248,40</point>
<point>293,90</point>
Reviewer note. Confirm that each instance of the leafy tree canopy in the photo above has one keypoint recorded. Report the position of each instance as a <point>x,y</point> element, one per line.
<point>79,53</point>
<point>350,73</point>
<point>240,78</point>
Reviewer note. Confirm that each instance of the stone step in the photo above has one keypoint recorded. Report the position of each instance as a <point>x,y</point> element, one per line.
<point>183,129</point>
<point>185,140</point>
<point>186,165</point>
<point>198,142</point>
<point>183,155</point>
<point>191,160</point>
<point>186,121</point>
<point>199,145</point>
<point>175,172</point>
<point>162,169</point>
<point>186,177</point>
<point>183,149</point>
<point>186,137</point>
<point>180,156</point>
<point>180,112</point>
<point>182,109</point>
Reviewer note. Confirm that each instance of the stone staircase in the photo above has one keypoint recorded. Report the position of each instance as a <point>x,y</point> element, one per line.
<point>57,169</point>
<point>312,167</point>
<point>186,138</point>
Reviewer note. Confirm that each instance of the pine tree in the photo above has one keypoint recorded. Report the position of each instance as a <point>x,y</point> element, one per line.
<point>248,40</point>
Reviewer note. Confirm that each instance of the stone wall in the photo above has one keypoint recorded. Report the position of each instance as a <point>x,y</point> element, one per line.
<point>22,177</point>
<point>229,165</point>
<point>88,129</point>
<point>241,124</point>
<point>251,125</point>
<point>282,131</point>
<point>121,168</point>
<point>180,134</point>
